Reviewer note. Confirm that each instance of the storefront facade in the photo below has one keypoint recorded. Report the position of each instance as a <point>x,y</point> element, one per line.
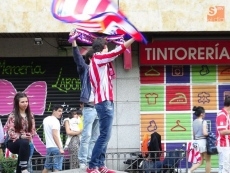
<point>177,75</point>
<point>164,80</point>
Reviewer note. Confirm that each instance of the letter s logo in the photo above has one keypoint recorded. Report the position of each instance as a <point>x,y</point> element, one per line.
<point>212,11</point>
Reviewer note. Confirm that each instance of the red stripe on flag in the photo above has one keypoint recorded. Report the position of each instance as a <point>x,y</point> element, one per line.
<point>80,6</point>
<point>102,6</point>
<point>121,14</point>
<point>99,19</point>
<point>120,24</point>
<point>111,18</point>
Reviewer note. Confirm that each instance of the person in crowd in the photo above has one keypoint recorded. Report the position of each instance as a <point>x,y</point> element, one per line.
<point>200,131</point>
<point>54,148</point>
<point>101,75</point>
<point>73,140</point>
<point>1,137</point>
<point>20,128</point>
<point>73,125</point>
<point>223,136</point>
<point>90,131</point>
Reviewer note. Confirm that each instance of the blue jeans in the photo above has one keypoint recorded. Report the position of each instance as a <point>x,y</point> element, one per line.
<point>105,111</point>
<point>54,159</point>
<point>89,134</point>
<point>30,166</point>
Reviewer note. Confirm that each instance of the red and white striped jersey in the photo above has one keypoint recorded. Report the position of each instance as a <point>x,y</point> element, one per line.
<point>100,76</point>
<point>222,123</point>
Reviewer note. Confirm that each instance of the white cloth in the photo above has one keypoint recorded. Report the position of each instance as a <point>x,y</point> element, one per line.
<point>1,133</point>
<point>91,97</point>
<point>51,123</point>
<point>224,159</point>
<point>8,154</point>
<point>201,145</point>
<point>74,126</point>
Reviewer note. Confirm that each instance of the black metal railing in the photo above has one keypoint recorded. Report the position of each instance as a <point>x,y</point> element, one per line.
<point>133,162</point>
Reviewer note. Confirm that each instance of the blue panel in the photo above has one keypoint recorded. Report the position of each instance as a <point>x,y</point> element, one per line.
<point>178,74</point>
<point>223,90</point>
<point>178,146</point>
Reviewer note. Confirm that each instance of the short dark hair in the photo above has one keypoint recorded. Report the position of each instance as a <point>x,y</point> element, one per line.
<point>56,107</point>
<point>227,100</point>
<point>198,110</point>
<point>74,112</point>
<point>89,55</point>
<point>99,44</point>
<point>79,112</point>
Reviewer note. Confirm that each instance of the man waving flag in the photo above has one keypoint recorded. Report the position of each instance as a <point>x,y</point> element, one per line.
<point>101,16</point>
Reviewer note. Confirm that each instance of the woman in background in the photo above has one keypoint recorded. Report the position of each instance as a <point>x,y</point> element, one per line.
<point>73,131</point>
<point>20,127</point>
<point>200,132</point>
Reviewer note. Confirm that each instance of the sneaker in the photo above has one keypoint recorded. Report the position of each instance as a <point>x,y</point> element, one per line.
<point>93,170</point>
<point>104,169</point>
<point>82,166</point>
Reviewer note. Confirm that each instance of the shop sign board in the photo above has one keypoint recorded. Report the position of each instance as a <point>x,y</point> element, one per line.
<point>185,52</point>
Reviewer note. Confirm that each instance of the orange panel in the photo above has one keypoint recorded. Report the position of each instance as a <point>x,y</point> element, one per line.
<point>151,123</point>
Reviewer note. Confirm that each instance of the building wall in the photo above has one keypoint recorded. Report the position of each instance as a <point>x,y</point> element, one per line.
<point>177,15</point>
<point>149,15</point>
<point>127,108</point>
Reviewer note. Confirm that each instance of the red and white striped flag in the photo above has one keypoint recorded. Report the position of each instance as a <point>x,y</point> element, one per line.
<point>193,153</point>
<point>101,16</point>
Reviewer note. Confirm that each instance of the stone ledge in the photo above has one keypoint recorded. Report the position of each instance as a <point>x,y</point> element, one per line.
<point>80,171</point>
<point>200,170</point>
<point>214,170</point>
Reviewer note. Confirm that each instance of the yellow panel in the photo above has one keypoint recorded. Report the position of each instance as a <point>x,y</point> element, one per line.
<point>224,73</point>
<point>205,96</point>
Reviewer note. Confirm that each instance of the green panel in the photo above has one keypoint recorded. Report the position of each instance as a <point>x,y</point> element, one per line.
<point>152,98</point>
<point>203,74</point>
<point>178,126</point>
